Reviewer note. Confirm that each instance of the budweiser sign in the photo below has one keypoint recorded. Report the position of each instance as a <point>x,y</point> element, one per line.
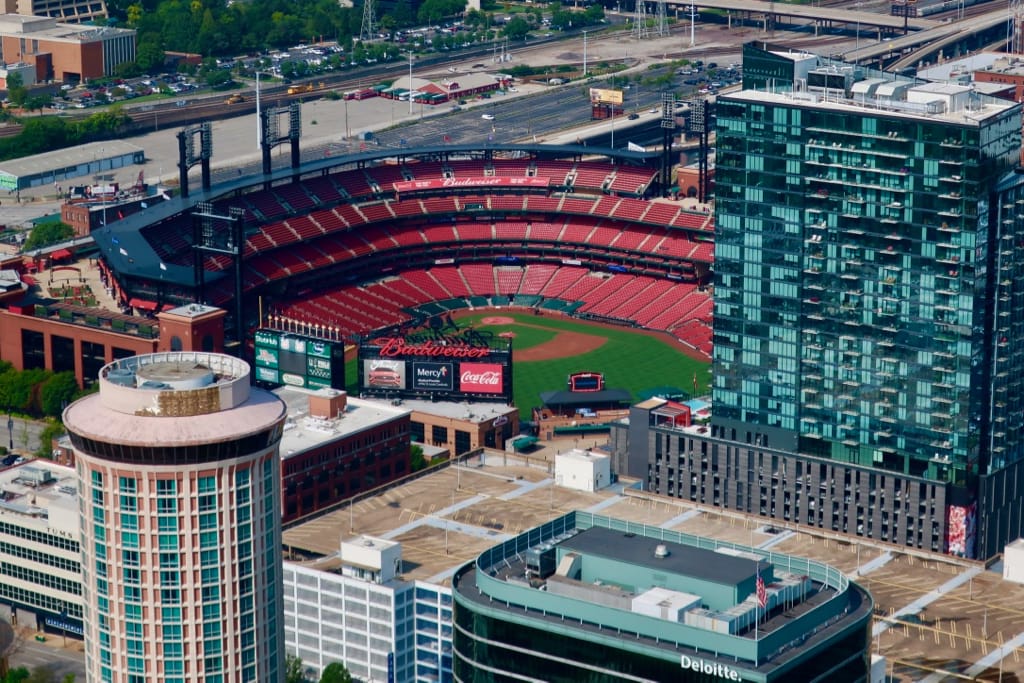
<point>480,378</point>
<point>485,181</point>
<point>392,347</point>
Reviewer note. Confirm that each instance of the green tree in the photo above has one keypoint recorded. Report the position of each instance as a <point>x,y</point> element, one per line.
<point>594,14</point>
<point>416,460</point>
<point>433,11</point>
<point>335,673</point>
<point>16,675</point>
<point>293,670</point>
<point>17,93</point>
<point>51,432</point>
<point>48,233</point>
<point>58,391</point>
<point>516,29</point>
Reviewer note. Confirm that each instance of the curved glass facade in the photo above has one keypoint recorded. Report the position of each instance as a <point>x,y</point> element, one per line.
<point>490,650</point>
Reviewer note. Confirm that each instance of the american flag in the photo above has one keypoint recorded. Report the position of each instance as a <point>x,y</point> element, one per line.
<point>762,593</point>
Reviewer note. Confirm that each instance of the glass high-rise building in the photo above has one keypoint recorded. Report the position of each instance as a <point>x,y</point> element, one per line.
<point>180,496</point>
<point>867,369</point>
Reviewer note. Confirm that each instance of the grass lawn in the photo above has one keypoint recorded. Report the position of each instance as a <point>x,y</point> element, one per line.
<point>627,359</point>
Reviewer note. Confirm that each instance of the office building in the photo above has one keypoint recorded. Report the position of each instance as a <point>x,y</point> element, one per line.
<point>179,484</point>
<point>355,608</point>
<point>40,558</point>
<point>64,52</point>
<point>587,597</point>
<point>867,364</point>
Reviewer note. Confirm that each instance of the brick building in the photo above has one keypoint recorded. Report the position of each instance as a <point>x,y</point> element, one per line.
<point>64,52</point>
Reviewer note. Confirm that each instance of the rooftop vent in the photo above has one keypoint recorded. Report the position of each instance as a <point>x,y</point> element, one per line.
<point>661,551</point>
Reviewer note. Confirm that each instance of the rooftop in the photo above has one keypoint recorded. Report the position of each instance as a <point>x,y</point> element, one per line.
<point>947,103</point>
<point>174,399</point>
<point>303,432</point>
<point>75,155</point>
<point>698,563</point>
<point>477,413</point>
<point>40,495</point>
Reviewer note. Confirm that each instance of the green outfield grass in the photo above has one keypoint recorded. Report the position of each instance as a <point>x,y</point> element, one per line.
<point>628,360</point>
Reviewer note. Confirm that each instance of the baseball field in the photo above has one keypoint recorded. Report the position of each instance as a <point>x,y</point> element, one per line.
<point>548,348</point>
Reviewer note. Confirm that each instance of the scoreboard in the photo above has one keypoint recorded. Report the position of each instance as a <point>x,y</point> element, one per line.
<point>298,360</point>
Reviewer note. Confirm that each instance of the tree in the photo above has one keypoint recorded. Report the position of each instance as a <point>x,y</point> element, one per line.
<point>293,670</point>
<point>16,675</point>
<point>335,673</point>
<point>432,11</point>
<point>17,93</point>
<point>416,460</point>
<point>57,392</point>
<point>516,29</point>
<point>48,233</point>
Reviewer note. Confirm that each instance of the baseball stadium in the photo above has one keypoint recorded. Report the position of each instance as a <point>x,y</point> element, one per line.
<point>569,252</point>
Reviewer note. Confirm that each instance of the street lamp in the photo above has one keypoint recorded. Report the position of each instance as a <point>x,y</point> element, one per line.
<point>10,431</point>
<point>584,54</point>
<point>410,82</point>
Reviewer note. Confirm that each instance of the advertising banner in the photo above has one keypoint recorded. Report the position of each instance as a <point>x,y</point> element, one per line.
<point>268,375</point>
<point>384,374</point>
<point>480,378</point>
<point>602,96</point>
<point>433,376</point>
<point>266,357</point>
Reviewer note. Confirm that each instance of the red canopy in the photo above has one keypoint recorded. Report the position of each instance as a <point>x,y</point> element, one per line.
<point>28,279</point>
<point>143,304</point>
<point>61,254</point>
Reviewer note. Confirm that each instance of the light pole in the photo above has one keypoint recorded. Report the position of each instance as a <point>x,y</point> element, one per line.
<point>584,54</point>
<point>10,432</point>
<point>410,82</point>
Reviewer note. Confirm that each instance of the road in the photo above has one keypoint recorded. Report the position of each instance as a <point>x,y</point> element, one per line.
<point>53,654</point>
<point>23,434</point>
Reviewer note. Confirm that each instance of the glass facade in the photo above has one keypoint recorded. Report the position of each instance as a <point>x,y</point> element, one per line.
<point>859,283</point>
<point>493,650</point>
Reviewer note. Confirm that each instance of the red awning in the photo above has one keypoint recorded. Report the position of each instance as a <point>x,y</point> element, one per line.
<point>61,254</point>
<point>168,307</point>
<point>143,304</point>
<point>28,279</point>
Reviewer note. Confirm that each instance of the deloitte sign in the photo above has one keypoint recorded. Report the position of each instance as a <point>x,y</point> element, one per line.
<point>726,673</point>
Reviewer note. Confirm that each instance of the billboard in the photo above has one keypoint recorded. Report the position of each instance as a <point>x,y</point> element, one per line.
<point>384,374</point>
<point>287,358</point>
<point>433,376</point>
<point>602,96</point>
<point>586,381</point>
<point>482,378</point>
<point>437,364</point>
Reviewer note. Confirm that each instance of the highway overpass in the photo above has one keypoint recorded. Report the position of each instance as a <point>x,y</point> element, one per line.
<point>912,48</point>
<point>824,16</point>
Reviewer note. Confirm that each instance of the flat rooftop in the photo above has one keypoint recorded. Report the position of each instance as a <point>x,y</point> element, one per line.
<point>41,495</point>
<point>302,432</point>
<point>698,563</point>
<point>471,412</point>
<point>445,519</point>
<point>73,156</point>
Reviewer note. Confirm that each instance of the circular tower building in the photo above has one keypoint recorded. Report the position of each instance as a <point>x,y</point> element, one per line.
<point>180,494</point>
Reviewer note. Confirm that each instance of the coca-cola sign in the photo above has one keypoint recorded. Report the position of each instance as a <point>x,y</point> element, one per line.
<point>480,378</point>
